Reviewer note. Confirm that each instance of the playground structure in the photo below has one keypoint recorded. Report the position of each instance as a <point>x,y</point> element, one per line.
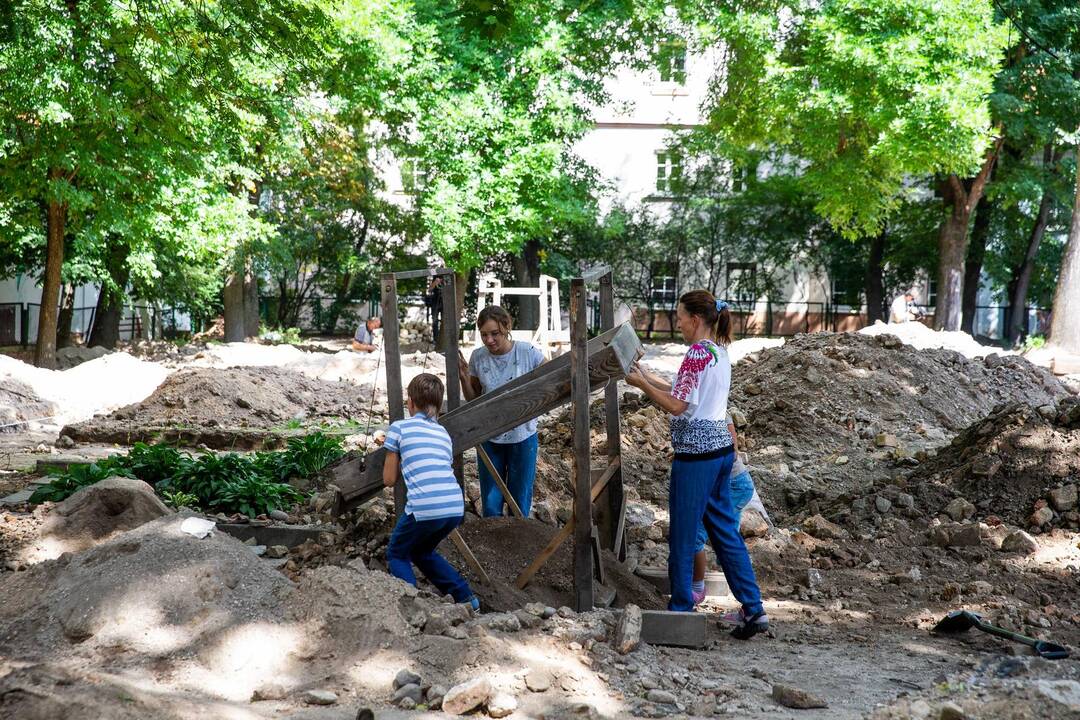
<point>590,365</point>
<point>549,335</point>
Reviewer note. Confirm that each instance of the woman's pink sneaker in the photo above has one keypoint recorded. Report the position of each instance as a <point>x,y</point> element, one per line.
<point>699,597</point>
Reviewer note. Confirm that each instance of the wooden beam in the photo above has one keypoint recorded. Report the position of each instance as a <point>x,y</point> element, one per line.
<point>392,360</point>
<point>482,454</point>
<point>425,273</point>
<point>613,503</point>
<point>564,532</point>
<point>597,556</point>
<point>579,403</point>
<point>547,387</point>
<point>597,273</point>
<point>451,318</point>
<point>470,559</point>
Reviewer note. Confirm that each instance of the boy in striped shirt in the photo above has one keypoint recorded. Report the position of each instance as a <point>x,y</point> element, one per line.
<point>434,507</point>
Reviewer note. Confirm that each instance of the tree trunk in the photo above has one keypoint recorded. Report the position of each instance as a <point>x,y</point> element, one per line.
<point>976,253</point>
<point>874,284</point>
<point>56,219</point>
<point>251,303</point>
<point>110,305</point>
<point>1065,323</point>
<point>67,314</point>
<point>527,274</point>
<point>1016,327</point>
<point>233,299</point>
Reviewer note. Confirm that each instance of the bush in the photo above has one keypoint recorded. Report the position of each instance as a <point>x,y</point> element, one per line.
<point>253,484</point>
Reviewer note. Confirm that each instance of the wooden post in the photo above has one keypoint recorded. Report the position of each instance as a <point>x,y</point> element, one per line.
<point>613,502</point>
<point>451,320</point>
<point>579,394</point>
<point>392,361</point>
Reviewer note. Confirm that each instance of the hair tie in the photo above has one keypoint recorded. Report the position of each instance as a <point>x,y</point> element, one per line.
<point>720,305</point>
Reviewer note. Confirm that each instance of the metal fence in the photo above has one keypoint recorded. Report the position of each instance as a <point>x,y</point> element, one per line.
<point>19,322</point>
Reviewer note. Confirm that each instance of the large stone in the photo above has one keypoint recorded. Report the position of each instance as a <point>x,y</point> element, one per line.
<point>628,631</point>
<point>817,526</point>
<point>752,525</point>
<point>1019,542</point>
<point>435,695</point>
<point>411,691</point>
<point>959,509</point>
<point>320,697</point>
<point>501,704</point>
<point>884,440</point>
<point>791,697</point>
<point>1041,516</point>
<point>467,696</point>
<point>1064,498</point>
<point>1061,692</point>
<point>661,697</point>
<point>883,504</point>
<point>100,511</point>
<point>538,680</point>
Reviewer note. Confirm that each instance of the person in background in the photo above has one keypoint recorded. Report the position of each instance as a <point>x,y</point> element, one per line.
<point>420,447</point>
<point>903,308</point>
<point>700,487</point>
<point>364,339</point>
<point>498,361</point>
<point>433,302</point>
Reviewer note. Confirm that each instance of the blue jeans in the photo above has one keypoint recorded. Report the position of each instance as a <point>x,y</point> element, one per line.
<point>413,542</point>
<point>742,489</point>
<point>516,465</point>
<point>701,493</point>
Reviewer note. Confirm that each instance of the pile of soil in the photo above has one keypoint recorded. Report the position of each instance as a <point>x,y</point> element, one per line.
<point>240,407</point>
<point>19,403</point>
<point>100,511</point>
<point>505,546</point>
<point>1011,464</point>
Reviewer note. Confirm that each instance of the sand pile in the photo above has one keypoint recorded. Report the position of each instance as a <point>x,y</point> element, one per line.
<point>921,337</point>
<point>1019,463</point>
<point>19,403</point>
<point>222,408</point>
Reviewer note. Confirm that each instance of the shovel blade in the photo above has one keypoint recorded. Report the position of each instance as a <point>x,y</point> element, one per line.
<point>957,621</point>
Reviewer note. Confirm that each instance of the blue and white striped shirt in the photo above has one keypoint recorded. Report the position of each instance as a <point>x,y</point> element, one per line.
<point>427,466</point>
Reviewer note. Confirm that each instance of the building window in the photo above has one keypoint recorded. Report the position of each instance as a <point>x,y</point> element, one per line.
<point>739,176</point>
<point>671,62</point>
<point>668,170</point>
<point>742,283</point>
<point>931,293</point>
<point>664,286</point>
<point>843,293</point>
<point>413,177</point>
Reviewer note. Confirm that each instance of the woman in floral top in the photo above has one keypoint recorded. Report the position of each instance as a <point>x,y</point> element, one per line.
<point>700,490</point>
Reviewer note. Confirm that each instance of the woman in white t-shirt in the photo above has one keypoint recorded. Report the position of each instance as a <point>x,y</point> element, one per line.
<point>700,489</point>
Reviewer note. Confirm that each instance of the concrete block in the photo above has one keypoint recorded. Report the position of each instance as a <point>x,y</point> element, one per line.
<point>270,535</point>
<point>679,629</point>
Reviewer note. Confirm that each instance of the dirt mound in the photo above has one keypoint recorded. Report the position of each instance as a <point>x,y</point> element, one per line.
<point>505,546</point>
<point>228,407</point>
<point>1019,463</point>
<point>19,403</point>
<point>99,512</point>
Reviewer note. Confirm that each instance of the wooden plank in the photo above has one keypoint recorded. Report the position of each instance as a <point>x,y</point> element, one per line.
<point>679,629</point>
<point>392,360</point>
<point>579,399</point>
<point>459,543</point>
<point>613,503</point>
<point>527,397</point>
<point>597,273</point>
<point>597,555</point>
<point>482,454</point>
<point>564,532</point>
<point>451,318</point>
<point>425,273</point>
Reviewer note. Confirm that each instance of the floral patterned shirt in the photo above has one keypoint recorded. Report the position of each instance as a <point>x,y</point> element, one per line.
<point>704,381</point>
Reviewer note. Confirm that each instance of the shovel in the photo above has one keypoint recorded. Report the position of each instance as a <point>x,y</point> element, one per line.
<point>960,620</point>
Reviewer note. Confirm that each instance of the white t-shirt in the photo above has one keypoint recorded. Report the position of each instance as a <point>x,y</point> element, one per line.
<point>898,311</point>
<point>495,371</point>
<point>703,382</point>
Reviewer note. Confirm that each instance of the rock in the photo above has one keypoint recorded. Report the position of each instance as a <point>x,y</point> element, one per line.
<point>883,440</point>
<point>279,515</point>
<point>411,691</point>
<point>628,631</point>
<point>752,525</point>
<point>435,695</point>
<point>501,622</point>
<point>752,389</point>
<point>406,677</point>
<point>501,704</point>
<point>577,711</point>
<point>969,535</point>
<point>813,578</point>
<point>1063,498</point>
<point>1042,516</point>
<point>951,711</point>
<point>959,509</point>
<point>842,460</point>
<point>882,504</point>
<point>467,696</point>
<point>65,442</point>
<point>269,691</point>
<point>1062,692</point>
<point>407,704</point>
<point>277,551</point>
<point>536,609</point>
<point>905,501</point>
<point>1019,542</point>
<point>791,697</point>
<point>319,697</point>
<point>538,680</point>
<point>817,526</point>
<point>100,511</point>
<point>527,620</point>
<point>661,697</point>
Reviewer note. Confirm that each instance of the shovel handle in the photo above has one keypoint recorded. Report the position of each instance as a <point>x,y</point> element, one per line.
<point>1048,650</point>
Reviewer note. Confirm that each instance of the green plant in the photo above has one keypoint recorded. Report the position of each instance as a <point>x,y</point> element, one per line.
<point>256,496</point>
<point>66,483</point>
<point>154,463</point>
<point>1033,342</point>
<point>178,499</point>
<point>307,455</point>
<point>280,336</point>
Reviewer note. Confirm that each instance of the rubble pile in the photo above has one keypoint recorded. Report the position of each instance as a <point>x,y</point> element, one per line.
<point>1020,464</point>
<point>211,406</point>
